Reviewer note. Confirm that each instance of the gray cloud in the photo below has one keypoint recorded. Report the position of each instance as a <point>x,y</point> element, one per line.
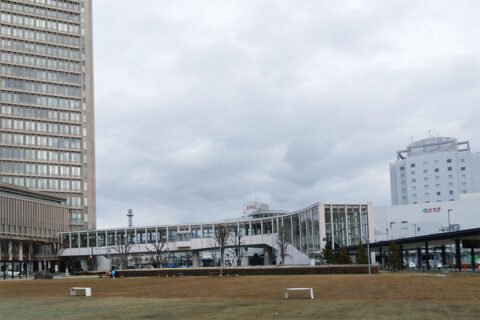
<point>200,105</point>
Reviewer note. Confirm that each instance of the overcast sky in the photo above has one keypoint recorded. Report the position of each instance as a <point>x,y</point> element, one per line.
<point>200,105</point>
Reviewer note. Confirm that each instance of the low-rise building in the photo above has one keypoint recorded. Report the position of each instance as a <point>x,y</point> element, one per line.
<point>411,220</point>
<point>30,222</point>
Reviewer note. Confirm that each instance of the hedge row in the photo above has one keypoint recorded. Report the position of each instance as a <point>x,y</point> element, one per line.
<point>264,270</point>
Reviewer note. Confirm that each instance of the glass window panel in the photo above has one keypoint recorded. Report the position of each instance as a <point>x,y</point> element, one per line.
<point>339,234</point>
<point>151,235</point>
<point>162,234</point>
<point>172,234</point>
<point>131,236</point>
<point>66,240</point>
<point>101,239</point>
<point>287,227</point>
<point>196,232</point>
<point>83,240</point>
<point>141,236</point>
<point>245,228</point>
<point>296,230</point>
<point>267,226</point>
<point>256,227</point>
<point>232,229</point>
<point>111,238</point>
<point>207,231</point>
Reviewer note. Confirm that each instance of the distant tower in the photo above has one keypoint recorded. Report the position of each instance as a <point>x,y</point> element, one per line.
<point>130,217</point>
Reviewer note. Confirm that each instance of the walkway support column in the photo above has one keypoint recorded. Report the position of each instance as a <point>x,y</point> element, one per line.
<point>30,255</point>
<point>380,253</point>
<point>20,250</point>
<point>458,259</point>
<point>444,256</point>
<point>10,250</point>
<point>472,255</point>
<point>196,258</point>
<point>419,257</point>
<point>401,256</point>
<point>427,256</point>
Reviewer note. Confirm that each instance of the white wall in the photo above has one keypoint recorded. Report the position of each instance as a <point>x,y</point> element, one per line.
<point>465,212</point>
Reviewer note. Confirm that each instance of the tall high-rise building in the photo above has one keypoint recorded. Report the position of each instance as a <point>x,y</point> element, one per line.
<point>47,137</point>
<point>433,170</point>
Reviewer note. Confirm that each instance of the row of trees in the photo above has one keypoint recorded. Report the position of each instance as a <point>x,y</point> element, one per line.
<point>342,256</point>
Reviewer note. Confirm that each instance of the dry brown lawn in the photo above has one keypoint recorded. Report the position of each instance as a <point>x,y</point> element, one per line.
<point>381,296</point>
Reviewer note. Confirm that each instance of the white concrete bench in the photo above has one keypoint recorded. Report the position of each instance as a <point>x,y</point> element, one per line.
<point>298,289</point>
<point>88,291</point>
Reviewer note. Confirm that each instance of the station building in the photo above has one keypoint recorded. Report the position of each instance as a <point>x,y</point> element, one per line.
<point>306,233</point>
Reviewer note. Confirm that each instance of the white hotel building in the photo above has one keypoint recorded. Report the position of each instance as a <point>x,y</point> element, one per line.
<point>434,170</point>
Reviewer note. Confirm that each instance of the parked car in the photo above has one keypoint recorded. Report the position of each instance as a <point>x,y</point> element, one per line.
<point>412,265</point>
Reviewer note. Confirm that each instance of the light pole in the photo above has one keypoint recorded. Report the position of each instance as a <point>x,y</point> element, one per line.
<point>368,252</point>
<point>449,228</point>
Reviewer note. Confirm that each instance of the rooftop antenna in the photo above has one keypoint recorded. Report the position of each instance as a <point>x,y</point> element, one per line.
<point>430,133</point>
<point>130,218</point>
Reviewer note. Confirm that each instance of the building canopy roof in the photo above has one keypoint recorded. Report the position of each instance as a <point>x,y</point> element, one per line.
<point>11,189</point>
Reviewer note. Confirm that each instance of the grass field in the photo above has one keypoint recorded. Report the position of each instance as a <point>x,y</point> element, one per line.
<point>381,296</point>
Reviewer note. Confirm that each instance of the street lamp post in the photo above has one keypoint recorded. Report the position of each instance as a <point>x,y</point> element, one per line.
<point>449,227</point>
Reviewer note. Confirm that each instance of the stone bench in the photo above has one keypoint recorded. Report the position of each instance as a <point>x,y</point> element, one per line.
<point>88,291</point>
<point>299,289</point>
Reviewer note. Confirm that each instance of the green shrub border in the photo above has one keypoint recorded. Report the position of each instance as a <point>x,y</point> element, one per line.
<point>232,271</point>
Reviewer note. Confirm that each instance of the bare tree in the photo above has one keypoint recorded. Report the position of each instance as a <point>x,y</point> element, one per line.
<point>221,236</point>
<point>123,246</point>
<point>235,242</point>
<point>282,242</point>
<point>157,253</point>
